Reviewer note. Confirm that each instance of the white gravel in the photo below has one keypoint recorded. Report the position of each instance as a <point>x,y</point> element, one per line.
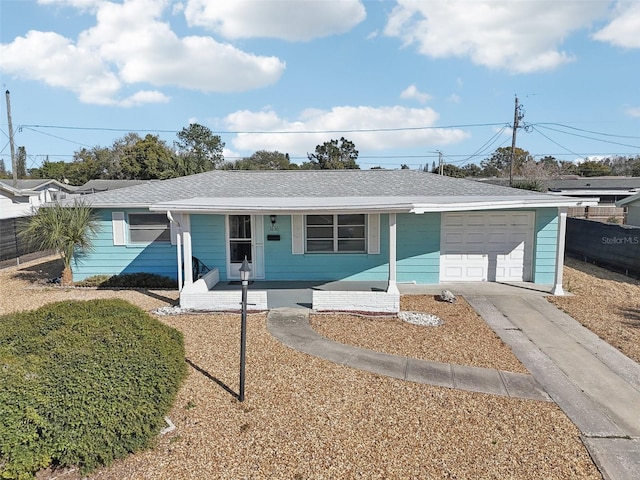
<point>423,319</point>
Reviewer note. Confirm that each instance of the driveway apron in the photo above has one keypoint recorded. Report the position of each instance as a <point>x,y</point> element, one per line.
<point>593,383</point>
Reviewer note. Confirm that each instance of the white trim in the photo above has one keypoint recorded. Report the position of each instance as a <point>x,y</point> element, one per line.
<point>297,234</point>
<point>257,242</point>
<point>373,234</point>
<point>313,205</point>
<point>119,228</point>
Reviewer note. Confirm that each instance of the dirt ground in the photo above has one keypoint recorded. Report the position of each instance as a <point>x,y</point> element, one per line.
<point>307,418</point>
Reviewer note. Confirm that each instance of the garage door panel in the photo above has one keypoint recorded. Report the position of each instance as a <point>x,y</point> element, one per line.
<point>489,246</point>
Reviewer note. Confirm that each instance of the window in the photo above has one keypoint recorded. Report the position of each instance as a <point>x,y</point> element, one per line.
<point>149,228</point>
<point>335,233</point>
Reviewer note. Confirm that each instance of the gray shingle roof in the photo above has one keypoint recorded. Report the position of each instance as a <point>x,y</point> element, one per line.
<point>284,187</point>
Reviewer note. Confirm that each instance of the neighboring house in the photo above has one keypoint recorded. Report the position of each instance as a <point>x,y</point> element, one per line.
<point>632,205</point>
<point>18,198</point>
<point>391,226</point>
<point>609,190</point>
<point>95,186</point>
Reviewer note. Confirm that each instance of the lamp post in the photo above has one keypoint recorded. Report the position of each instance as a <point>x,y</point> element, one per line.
<point>245,271</point>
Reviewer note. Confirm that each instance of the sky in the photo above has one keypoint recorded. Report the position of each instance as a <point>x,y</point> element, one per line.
<point>406,81</point>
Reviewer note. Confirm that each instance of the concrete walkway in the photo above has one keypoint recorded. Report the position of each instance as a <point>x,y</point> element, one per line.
<point>596,386</point>
<point>291,327</point>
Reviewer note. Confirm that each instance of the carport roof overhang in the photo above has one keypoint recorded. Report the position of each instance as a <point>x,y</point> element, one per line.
<point>418,205</point>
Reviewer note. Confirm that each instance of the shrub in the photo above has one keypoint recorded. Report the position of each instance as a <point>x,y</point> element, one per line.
<point>84,383</point>
<point>129,280</point>
<point>531,184</point>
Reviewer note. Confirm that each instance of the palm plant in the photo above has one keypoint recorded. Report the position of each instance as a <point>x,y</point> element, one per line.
<point>62,228</point>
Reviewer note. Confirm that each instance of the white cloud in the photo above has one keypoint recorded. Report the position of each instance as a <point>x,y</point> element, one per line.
<point>313,127</point>
<point>130,45</point>
<point>517,36</point>
<point>287,20</point>
<point>56,61</point>
<point>79,4</point>
<point>633,111</point>
<point>143,97</point>
<point>453,98</point>
<point>624,29</point>
<point>412,92</point>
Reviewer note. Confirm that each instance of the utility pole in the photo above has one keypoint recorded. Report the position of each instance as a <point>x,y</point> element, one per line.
<point>14,170</point>
<point>440,164</point>
<point>516,119</point>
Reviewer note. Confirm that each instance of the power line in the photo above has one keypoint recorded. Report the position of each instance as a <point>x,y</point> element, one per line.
<point>271,132</point>
<point>589,138</point>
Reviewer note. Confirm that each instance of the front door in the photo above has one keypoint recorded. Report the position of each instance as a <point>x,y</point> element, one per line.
<point>239,228</point>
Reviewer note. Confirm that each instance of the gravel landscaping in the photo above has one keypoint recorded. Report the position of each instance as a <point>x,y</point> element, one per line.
<point>304,417</point>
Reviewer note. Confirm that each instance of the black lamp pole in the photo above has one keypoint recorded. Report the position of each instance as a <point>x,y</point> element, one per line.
<point>245,270</point>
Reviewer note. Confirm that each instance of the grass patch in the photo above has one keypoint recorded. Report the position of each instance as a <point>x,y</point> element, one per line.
<point>83,383</point>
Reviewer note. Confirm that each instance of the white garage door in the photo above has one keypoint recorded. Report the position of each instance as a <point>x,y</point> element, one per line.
<point>481,246</point>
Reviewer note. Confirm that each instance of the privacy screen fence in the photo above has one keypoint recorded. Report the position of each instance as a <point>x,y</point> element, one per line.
<point>609,245</point>
<point>10,245</point>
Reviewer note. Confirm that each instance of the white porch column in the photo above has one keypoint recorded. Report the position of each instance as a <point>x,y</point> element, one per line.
<point>392,287</point>
<point>175,226</point>
<point>562,230</point>
<point>188,255</point>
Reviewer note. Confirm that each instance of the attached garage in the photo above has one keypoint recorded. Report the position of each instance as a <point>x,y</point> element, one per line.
<point>487,246</point>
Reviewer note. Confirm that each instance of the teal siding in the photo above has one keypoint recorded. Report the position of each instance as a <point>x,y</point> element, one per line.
<point>418,248</point>
<point>108,259</point>
<point>281,264</point>
<point>546,237</point>
<point>208,241</point>
<point>418,252</point>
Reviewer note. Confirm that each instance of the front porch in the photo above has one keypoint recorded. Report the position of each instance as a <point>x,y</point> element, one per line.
<point>337,295</point>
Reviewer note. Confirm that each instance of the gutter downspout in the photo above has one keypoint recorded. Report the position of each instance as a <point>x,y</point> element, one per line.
<point>179,247</point>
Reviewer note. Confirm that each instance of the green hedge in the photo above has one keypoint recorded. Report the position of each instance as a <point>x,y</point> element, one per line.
<point>83,383</point>
<point>129,280</point>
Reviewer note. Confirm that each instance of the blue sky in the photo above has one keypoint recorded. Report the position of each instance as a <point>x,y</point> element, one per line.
<point>401,79</point>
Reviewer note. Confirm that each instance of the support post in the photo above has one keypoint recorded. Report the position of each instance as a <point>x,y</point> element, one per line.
<point>392,286</point>
<point>560,244</point>
<point>188,253</point>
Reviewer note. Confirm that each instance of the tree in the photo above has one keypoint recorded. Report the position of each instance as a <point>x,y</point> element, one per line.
<point>264,160</point>
<point>63,229</point>
<point>148,158</point>
<point>335,155</point>
<point>591,168</point>
<point>199,150</point>
<point>51,170</point>
<point>450,171</point>
<point>471,170</point>
<point>21,163</point>
<point>499,163</point>
<point>404,166</point>
<point>3,169</point>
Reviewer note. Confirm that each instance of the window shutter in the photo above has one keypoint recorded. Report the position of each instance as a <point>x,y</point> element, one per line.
<point>297,234</point>
<point>373,234</point>
<point>118,226</point>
